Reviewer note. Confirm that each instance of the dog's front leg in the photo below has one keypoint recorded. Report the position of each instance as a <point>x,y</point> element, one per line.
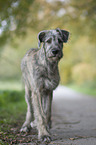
<point>39,114</point>
<point>49,109</point>
<point>47,105</point>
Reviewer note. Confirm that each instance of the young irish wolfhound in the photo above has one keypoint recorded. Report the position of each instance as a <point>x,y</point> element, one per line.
<point>40,72</point>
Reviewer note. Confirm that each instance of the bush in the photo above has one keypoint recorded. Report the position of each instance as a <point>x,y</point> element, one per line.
<point>83,73</point>
<point>65,72</point>
<point>7,97</point>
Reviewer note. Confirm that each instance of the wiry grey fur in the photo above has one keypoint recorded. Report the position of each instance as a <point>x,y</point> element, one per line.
<point>40,72</point>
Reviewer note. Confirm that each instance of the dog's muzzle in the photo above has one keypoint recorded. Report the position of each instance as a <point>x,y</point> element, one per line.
<point>57,53</point>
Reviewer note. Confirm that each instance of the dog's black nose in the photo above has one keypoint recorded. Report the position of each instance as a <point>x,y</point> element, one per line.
<point>55,51</point>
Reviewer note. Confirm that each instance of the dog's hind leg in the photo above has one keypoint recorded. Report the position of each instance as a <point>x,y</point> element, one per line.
<point>29,115</point>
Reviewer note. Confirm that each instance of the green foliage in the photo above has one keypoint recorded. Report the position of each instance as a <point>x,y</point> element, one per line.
<point>13,17</point>
<point>7,97</point>
<point>84,61</point>
<point>10,59</point>
<point>87,88</point>
<point>17,16</point>
<point>65,72</point>
<point>2,143</point>
<point>12,113</point>
<point>83,72</point>
<point>84,17</point>
<point>20,17</point>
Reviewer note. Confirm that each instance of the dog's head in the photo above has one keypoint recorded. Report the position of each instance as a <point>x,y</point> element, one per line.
<point>53,42</point>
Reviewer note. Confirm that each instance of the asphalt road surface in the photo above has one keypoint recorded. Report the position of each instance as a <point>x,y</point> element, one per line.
<point>74,118</point>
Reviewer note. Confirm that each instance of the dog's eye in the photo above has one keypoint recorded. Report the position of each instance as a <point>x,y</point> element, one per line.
<point>59,40</point>
<point>49,41</point>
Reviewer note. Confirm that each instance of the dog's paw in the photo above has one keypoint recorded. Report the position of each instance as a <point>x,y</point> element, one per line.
<point>25,129</point>
<point>33,124</point>
<point>46,139</point>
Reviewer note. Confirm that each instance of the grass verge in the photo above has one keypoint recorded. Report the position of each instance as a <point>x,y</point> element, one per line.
<point>12,116</point>
<point>83,89</point>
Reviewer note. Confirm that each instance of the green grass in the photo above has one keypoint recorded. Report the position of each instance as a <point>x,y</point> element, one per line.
<point>83,89</point>
<point>12,109</point>
<point>12,114</point>
<point>12,104</point>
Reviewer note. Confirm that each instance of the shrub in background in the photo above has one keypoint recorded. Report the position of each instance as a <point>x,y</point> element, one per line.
<point>84,73</point>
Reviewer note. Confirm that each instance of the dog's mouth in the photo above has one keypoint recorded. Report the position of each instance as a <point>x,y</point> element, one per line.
<point>55,57</point>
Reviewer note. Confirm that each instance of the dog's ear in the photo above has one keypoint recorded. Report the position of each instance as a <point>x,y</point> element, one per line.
<point>65,35</point>
<point>41,37</point>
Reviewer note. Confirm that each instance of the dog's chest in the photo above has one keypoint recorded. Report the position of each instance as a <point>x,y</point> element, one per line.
<point>53,75</point>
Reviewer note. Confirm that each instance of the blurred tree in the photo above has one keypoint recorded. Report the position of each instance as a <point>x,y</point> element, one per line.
<point>19,15</point>
<point>84,17</point>
<point>28,17</point>
<point>13,18</point>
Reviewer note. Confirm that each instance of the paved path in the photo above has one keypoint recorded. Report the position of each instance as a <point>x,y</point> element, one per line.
<point>74,118</point>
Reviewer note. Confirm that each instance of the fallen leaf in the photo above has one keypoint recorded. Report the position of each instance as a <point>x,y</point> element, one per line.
<point>72,138</point>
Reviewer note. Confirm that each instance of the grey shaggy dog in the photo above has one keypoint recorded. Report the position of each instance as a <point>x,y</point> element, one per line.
<point>41,76</point>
